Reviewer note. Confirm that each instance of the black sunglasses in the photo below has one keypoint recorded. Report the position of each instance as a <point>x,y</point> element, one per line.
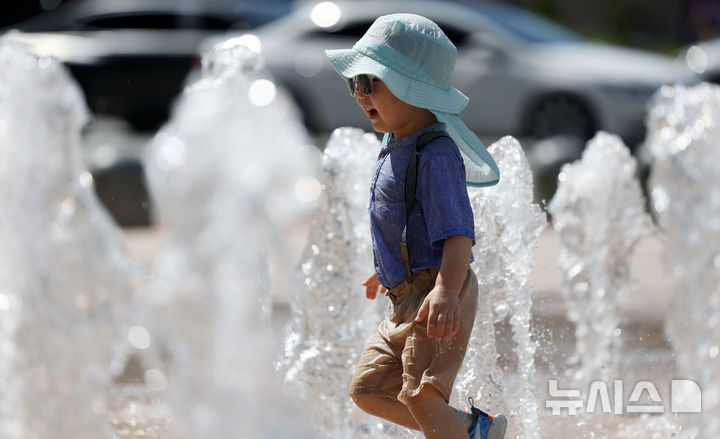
<point>362,84</point>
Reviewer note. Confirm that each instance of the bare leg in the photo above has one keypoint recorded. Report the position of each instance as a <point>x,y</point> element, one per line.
<point>386,408</point>
<point>437,420</point>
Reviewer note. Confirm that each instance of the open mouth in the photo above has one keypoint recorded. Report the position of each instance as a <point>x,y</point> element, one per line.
<point>372,113</point>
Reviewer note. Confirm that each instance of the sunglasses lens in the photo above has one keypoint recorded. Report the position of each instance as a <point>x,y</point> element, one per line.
<point>364,84</point>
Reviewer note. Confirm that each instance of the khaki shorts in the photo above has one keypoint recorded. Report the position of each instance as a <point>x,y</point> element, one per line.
<point>400,358</point>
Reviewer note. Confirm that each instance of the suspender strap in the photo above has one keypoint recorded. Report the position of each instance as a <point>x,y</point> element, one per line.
<point>410,189</point>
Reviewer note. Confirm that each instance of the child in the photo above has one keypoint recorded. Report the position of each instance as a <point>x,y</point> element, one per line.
<point>422,226</point>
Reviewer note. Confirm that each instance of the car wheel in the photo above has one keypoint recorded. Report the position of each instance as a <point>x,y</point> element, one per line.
<point>561,116</point>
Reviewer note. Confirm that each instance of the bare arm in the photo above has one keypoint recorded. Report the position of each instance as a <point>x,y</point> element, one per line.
<point>442,306</point>
<point>455,263</point>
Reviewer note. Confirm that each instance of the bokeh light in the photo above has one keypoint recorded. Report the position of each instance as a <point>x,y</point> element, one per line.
<point>139,337</point>
<point>697,59</point>
<point>326,14</point>
<point>262,92</point>
<point>308,189</point>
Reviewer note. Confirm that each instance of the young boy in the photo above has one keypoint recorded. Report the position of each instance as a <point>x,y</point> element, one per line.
<point>422,226</point>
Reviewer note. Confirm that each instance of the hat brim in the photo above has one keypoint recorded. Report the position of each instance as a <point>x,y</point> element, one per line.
<point>349,63</point>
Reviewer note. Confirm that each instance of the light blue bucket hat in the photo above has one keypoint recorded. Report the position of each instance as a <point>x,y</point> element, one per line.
<point>415,59</point>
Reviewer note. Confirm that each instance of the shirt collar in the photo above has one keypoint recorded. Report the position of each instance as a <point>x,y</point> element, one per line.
<point>393,143</point>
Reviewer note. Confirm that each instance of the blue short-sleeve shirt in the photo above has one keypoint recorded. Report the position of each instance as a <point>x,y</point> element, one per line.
<point>442,206</point>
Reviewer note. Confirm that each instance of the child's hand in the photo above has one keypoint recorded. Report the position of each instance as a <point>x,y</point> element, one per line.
<point>371,285</point>
<point>443,307</point>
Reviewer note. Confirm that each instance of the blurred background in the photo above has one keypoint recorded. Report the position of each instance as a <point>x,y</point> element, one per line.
<point>549,72</point>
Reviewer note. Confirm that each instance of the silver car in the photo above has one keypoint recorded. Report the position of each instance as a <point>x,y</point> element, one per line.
<point>525,76</point>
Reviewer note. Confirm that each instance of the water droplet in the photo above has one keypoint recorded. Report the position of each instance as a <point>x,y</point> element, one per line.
<point>713,352</point>
<point>325,14</point>
<point>67,208</point>
<point>262,92</point>
<point>139,337</point>
<point>171,154</point>
<point>697,59</point>
<point>501,309</point>
<point>581,287</point>
<point>575,270</point>
<point>308,189</point>
<point>44,62</point>
<point>86,179</point>
<point>155,379</point>
<point>250,41</point>
<point>81,301</point>
<point>4,302</point>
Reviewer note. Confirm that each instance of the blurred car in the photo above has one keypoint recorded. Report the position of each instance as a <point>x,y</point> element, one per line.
<point>525,76</point>
<point>131,56</point>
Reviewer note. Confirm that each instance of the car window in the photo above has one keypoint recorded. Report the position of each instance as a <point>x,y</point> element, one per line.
<point>355,30</point>
<point>157,21</point>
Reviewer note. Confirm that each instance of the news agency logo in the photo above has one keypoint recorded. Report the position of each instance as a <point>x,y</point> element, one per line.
<point>685,397</point>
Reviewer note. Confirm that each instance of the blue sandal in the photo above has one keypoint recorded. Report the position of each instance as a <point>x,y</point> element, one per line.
<point>489,427</point>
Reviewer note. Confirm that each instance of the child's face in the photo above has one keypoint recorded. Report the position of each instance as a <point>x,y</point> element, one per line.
<point>389,114</point>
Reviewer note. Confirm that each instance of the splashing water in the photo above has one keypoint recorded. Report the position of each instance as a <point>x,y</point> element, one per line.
<point>683,135</point>
<point>65,280</point>
<point>319,367</point>
<point>230,173</point>
<point>331,319</point>
<point>599,214</point>
<point>230,176</point>
<point>507,227</point>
